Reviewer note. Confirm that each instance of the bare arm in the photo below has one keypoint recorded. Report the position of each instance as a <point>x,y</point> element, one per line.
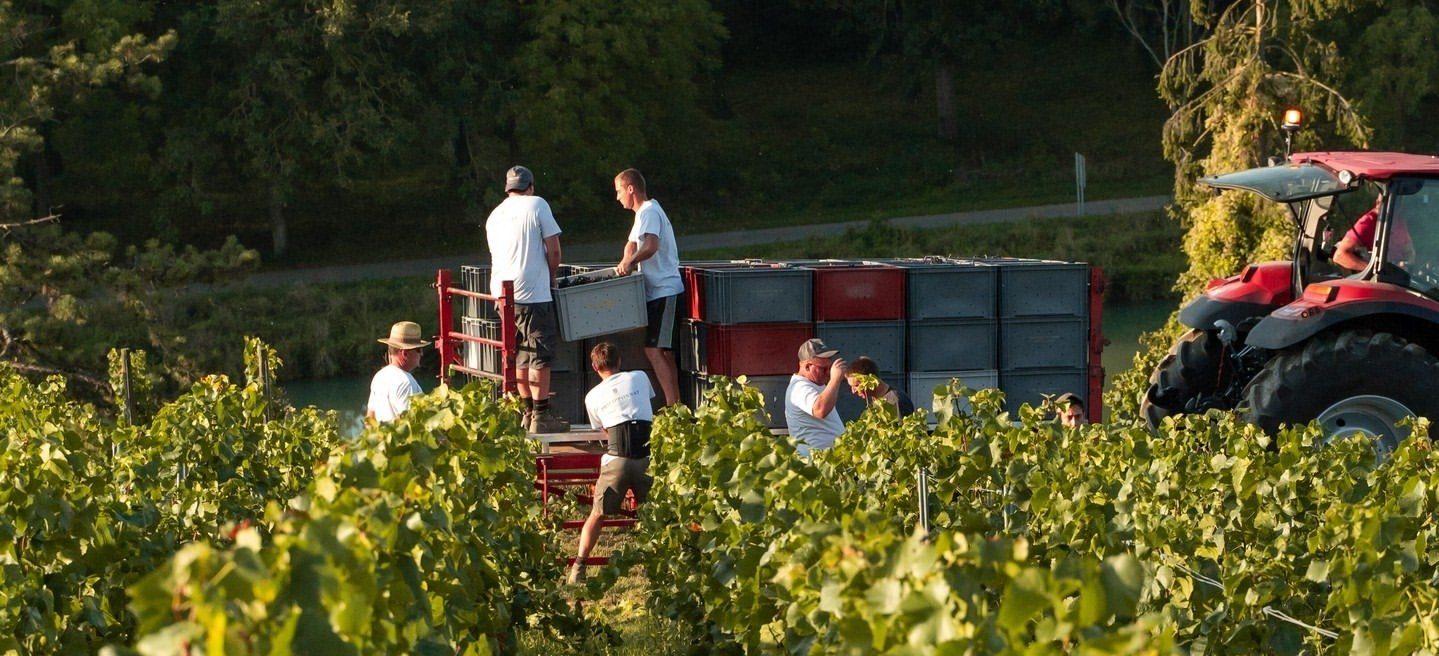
<point>825,402</point>
<point>634,255</point>
<point>552,256</point>
<point>1346,254</point>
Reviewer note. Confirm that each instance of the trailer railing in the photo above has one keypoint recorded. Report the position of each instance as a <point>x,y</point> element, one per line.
<point>449,341</point>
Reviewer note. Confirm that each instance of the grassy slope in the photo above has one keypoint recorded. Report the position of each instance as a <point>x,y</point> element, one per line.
<point>838,142</point>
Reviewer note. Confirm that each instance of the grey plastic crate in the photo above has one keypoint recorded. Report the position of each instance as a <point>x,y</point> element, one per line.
<point>740,293</point>
<point>945,288</point>
<point>631,345</point>
<point>476,278</point>
<point>487,358</point>
<point>1029,288</point>
<point>850,406</point>
<point>567,396</point>
<point>953,345</point>
<point>1043,343</point>
<point>481,356</point>
<point>922,384</point>
<point>1032,385</point>
<point>687,353</point>
<point>882,341</point>
<point>599,303</point>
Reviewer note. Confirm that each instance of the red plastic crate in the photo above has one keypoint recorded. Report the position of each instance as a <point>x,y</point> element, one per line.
<point>694,292</point>
<point>755,349</point>
<point>857,292</point>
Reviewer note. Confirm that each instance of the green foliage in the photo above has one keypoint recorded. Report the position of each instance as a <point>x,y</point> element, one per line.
<point>91,506</point>
<point>222,531</point>
<point>1227,93</point>
<point>1395,67</point>
<point>65,298</point>
<point>591,101</point>
<point>1100,539</point>
<point>51,55</point>
<point>424,536</point>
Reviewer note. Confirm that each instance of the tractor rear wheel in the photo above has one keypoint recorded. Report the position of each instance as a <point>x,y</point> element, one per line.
<point>1354,382</point>
<point>1189,370</point>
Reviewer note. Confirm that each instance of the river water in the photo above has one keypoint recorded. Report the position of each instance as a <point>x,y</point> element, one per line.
<point>1123,323</point>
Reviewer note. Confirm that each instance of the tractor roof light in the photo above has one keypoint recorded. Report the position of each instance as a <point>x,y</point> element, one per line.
<point>1293,119</point>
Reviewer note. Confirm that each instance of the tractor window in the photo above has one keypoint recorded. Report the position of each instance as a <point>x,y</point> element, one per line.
<point>1328,220</point>
<point>1286,183</point>
<point>1412,233</point>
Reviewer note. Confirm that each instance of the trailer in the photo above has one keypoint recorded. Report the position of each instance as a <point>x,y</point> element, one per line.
<point>1031,328</point>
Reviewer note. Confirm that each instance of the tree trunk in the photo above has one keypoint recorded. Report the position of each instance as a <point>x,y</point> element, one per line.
<point>278,230</point>
<point>42,200</point>
<point>945,101</point>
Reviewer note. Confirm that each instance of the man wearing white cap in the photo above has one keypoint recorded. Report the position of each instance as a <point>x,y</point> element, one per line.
<point>392,386</point>
<point>813,392</point>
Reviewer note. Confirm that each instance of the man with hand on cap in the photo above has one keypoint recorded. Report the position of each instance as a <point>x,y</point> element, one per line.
<point>524,245</point>
<point>392,386</point>
<point>813,392</point>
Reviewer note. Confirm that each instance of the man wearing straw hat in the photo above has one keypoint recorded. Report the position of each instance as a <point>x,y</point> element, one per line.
<point>392,386</point>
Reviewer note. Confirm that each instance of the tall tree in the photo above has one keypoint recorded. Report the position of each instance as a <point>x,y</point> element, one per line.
<point>941,37</point>
<point>1398,57</point>
<point>1227,92</point>
<point>600,82</point>
<point>279,93</point>
<point>51,54</point>
<point>1160,27</point>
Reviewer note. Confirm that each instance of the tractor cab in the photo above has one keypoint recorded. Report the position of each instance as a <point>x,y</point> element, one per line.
<point>1347,330</point>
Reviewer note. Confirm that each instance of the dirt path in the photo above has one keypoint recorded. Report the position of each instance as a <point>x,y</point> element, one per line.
<point>609,252</point>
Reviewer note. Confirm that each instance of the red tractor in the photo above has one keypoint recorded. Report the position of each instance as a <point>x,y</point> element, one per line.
<point>1311,338</point>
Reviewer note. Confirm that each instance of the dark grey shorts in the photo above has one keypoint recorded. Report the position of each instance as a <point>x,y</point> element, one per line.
<point>619,476</point>
<point>537,332</point>
<point>663,327</point>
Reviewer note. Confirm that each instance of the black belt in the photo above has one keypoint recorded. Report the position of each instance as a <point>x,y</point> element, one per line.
<point>630,439</point>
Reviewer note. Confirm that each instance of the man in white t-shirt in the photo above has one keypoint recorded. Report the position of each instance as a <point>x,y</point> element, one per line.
<point>392,386</point>
<point>812,394</point>
<point>651,250</point>
<point>524,245</point>
<point>620,407</point>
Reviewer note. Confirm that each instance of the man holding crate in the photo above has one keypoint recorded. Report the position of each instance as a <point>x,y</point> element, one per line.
<point>524,242</point>
<point>651,250</point>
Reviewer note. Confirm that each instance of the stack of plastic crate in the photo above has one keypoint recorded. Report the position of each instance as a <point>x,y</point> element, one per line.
<point>479,319</point>
<point>859,309</point>
<point>745,319</point>
<point>1044,329</point>
<point>952,329</point>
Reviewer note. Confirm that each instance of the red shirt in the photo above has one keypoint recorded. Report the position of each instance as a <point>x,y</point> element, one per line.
<point>1363,232</point>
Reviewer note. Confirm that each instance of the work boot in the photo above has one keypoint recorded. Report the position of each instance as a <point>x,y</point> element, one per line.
<point>547,422</point>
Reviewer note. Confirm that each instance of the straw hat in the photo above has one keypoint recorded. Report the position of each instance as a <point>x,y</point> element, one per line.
<point>404,335</point>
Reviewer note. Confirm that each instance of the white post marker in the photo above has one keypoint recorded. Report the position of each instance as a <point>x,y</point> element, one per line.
<point>1079,184</point>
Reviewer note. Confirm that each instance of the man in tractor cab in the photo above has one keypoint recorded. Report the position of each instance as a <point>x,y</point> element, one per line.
<point>1352,252</point>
